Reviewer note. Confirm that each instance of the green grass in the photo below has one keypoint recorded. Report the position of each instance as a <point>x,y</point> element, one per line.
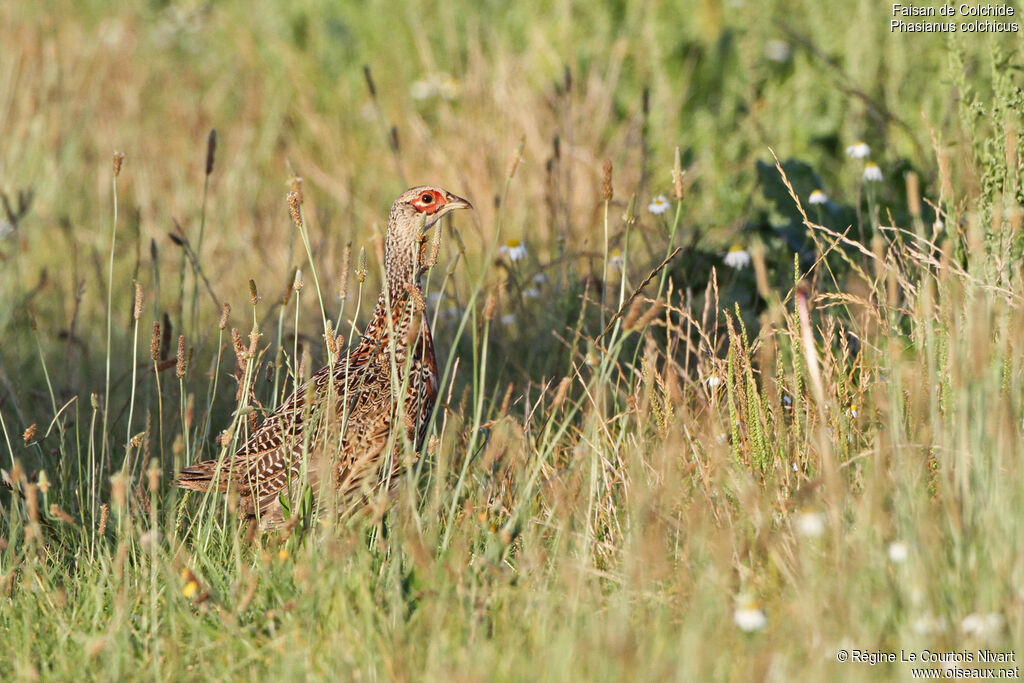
<point>609,478</point>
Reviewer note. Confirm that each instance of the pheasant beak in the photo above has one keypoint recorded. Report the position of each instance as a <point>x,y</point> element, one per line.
<point>451,202</point>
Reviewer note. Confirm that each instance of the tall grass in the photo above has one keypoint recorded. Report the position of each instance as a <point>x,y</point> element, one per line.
<point>637,449</point>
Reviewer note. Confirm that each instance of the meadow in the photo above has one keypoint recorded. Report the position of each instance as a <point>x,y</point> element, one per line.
<point>729,384</point>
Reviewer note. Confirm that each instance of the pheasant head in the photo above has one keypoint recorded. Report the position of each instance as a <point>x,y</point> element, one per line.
<point>415,210</point>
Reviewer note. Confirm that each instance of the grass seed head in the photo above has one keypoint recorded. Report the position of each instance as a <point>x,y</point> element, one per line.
<point>224,315</point>
<point>329,341</point>
<point>104,515</point>
<point>368,75</point>
<point>153,475</point>
<point>361,266</point>
<point>677,177</point>
<point>295,186</point>
<point>606,181</point>
<point>236,341</point>
<point>254,340</point>
<point>59,513</point>
<point>517,158</point>
<point>561,393</point>
<point>490,305</point>
<point>633,314</point>
<point>294,208</point>
<point>211,150</point>
<point>119,491</point>
<point>32,502</point>
<point>118,160</point>
<point>650,315</point>
<point>137,310</point>
<point>346,263</point>
<point>182,364</point>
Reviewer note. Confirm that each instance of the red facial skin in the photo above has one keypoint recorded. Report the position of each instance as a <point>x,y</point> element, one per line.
<point>428,202</point>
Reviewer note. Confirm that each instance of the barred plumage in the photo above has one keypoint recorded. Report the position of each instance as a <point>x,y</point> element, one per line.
<point>346,417</point>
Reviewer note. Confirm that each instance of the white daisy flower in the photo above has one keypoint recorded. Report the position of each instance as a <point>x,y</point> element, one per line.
<point>748,615</point>
<point>859,150</point>
<point>777,51</point>
<point>442,85</point>
<point>853,410</point>
<point>508,319</point>
<point>982,625</point>
<point>737,258</point>
<point>809,524</point>
<point>713,382</point>
<point>531,293</point>
<point>514,249</point>
<point>817,197</point>
<point>615,259</point>
<point>898,552</point>
<point>872,172</point>
<point>422,89</point>
<point>659,205</point>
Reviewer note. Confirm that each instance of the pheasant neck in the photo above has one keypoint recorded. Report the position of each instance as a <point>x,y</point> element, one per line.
<point>401,264</point>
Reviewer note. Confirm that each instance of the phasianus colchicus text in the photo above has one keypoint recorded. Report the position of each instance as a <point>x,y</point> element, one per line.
<point>348,423</point>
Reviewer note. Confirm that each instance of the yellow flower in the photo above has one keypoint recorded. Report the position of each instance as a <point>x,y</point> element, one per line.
<point>191,589</point>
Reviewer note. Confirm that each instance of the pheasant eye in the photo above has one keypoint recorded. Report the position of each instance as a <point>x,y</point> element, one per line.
<point>427,198</point>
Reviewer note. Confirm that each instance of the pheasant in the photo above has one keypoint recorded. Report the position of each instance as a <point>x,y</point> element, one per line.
<point>346,424</point>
